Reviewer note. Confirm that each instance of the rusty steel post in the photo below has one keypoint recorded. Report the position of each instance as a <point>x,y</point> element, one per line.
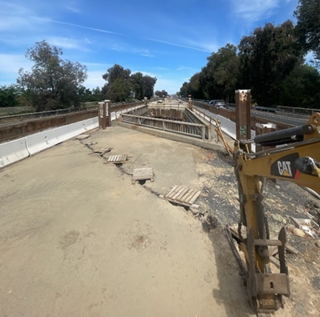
<point>262,129</point>
<point>243,114</point>
<point>104,114</point>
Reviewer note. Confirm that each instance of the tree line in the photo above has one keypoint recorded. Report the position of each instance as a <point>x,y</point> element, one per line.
<point>121,84</point>
<point>270,62</point>
<point>54,83</point>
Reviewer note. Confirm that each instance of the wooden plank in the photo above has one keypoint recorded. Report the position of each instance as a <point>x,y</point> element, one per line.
<point>172,193</point>
<point>186,194</point>
<point>174,187</point>
<point>274,261</point>
<point>175,192</point>
<point>178,202</point>
<point>190,194</point>
<point>273,250</point>
<point>142,174</point>
<point>117,158</point>
<point>194,198</point>
<point>182,193</point>
<point>291,249</point>
<point>178,193</point>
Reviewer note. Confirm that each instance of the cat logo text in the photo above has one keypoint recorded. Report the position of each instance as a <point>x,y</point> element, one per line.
<point>284,168</point>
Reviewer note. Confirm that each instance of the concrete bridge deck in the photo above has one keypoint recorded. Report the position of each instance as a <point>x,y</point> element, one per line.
<point>78,239</point>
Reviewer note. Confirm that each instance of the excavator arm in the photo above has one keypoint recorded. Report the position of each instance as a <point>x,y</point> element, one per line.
<point>296,159</point>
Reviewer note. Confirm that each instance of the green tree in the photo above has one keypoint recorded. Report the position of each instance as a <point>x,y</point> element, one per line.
<point>218,79</point>
<point>161,94</point>
<point>113,73</point>
<point>308,25</point>
<point>53,83</point>
<point>195,88</point>
<point>225,71</point>
<point>119,90</point>
<point>185,90</point>
<point>137,83</point>
<point>9,96</point>
<point>267,57</point>
<point>301,88</point>
<point>148,83</point>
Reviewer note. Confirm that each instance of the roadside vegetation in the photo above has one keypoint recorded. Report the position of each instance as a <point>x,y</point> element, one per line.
<point>54,83</point>
<point>270,61</point>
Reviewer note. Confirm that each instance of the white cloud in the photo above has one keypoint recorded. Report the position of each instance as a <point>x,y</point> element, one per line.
<point>169,85</point>
<point>204,45</point>
<point>10,8</point>
<point>9,67</point>
<point>95,79</point>
<point>144,73</point>
<point>10,23</point>
<point>64,42</point>
<point>143,52</point>
<point>83,27</point>
<point>95,72</point>
<point>256,9</point>
<point>144,38</point>
<point>118,48</point>
<point>128,49</point>
<point>11,63</point>
<point>175,44</point>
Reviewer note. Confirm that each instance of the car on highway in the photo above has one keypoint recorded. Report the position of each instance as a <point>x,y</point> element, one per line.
<point>218,104</point>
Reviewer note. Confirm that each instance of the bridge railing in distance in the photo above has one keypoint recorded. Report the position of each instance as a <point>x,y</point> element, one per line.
<point>186,128</point>
<point>300,111</point>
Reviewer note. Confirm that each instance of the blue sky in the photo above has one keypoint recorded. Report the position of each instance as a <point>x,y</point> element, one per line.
<point>168,39</point>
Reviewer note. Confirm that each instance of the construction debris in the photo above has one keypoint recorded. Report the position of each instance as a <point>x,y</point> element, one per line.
<point>141,174</point>
<point>102,152</point>
<point>182,195</point>
<point>82,136</point>
<point>307,226</point>
<point>117,159</point>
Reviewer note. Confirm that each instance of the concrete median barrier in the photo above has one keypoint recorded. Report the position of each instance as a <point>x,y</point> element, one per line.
<point>13,151</point>
<point>43,140</point>
<point>16,150</point>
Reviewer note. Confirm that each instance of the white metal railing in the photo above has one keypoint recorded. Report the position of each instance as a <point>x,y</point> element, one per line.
<point>186,128</point>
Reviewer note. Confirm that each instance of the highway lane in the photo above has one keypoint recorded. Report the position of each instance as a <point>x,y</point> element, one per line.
<point>283,118</point>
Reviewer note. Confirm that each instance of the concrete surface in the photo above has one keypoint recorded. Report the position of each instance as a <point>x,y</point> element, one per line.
<point>78,239</point>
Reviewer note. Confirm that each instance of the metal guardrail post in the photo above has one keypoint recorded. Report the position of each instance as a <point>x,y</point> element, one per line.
<point>203,128</point>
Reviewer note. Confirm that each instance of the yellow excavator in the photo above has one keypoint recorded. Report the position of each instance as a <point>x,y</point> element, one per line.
<point>295,157</point>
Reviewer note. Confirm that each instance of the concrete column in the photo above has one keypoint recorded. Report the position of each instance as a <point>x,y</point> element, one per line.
<point>108,111</point>
<point>190,102</point>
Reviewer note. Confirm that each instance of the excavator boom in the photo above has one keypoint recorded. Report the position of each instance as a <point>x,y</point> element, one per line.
<point>296,159</point>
